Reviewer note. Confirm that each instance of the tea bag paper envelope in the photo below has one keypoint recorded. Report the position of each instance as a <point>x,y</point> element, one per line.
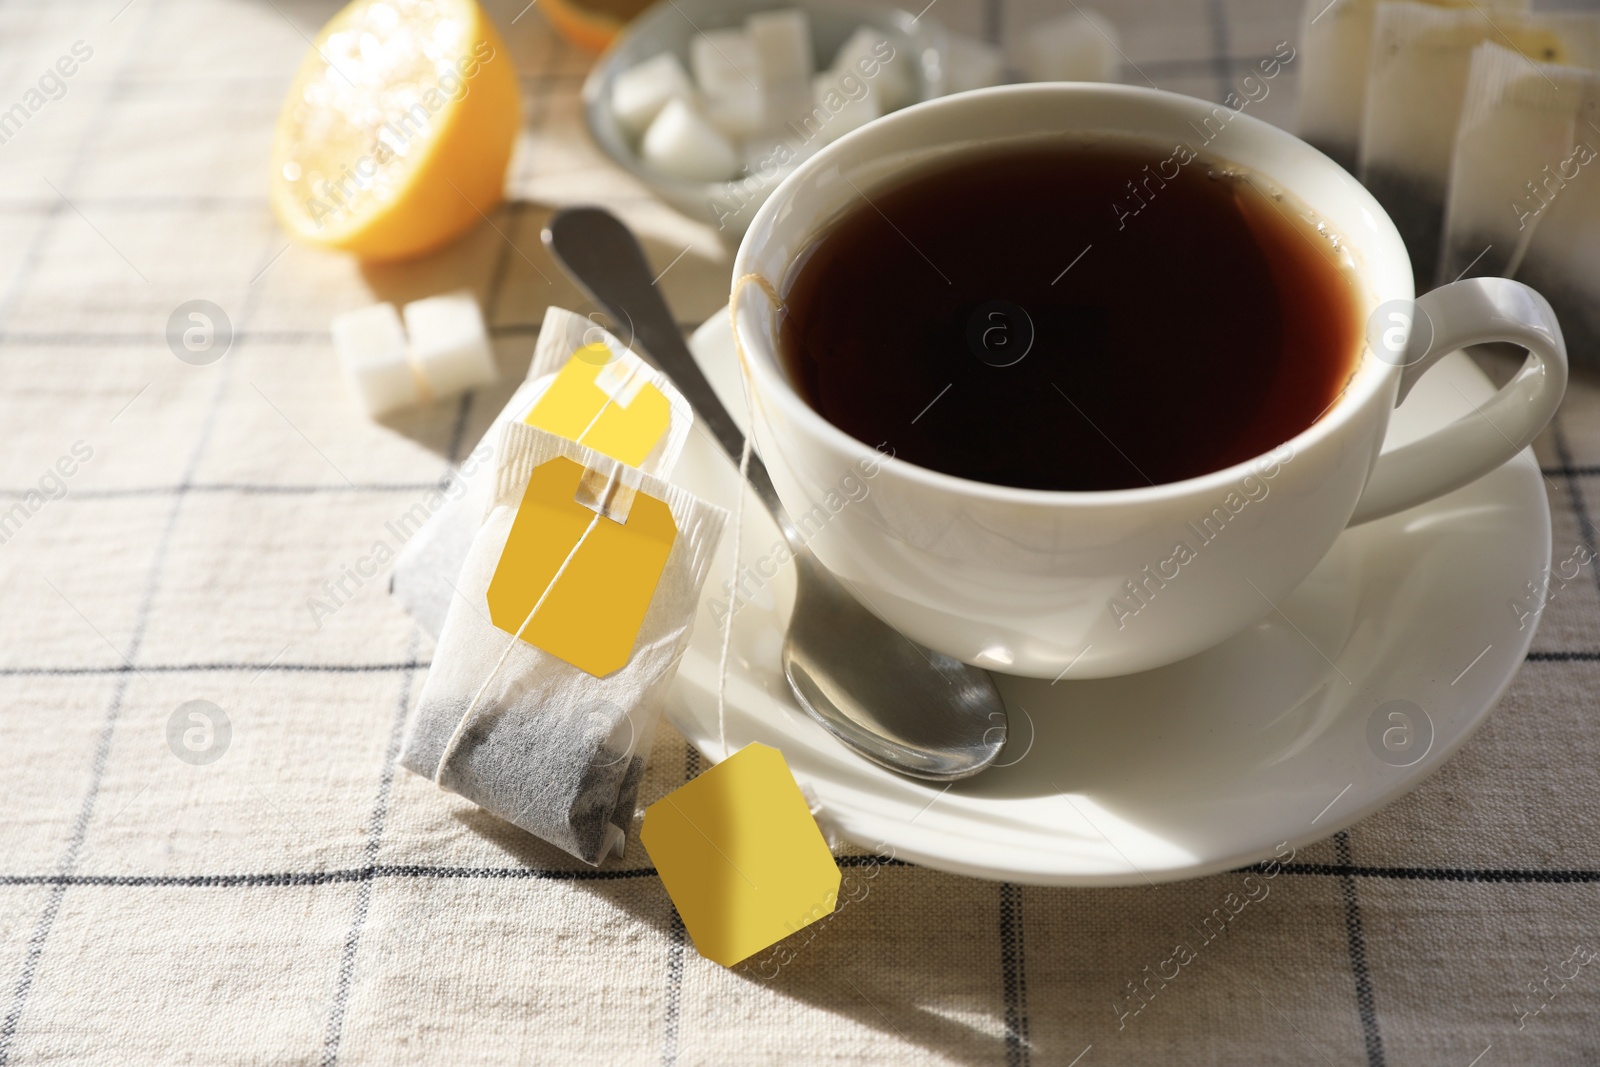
<point>1524,197</point>
<point>1421,58</point>
<point>741,856</point>
<point>1335,51</point>
<point>643,421</point>
<point>599,567</point>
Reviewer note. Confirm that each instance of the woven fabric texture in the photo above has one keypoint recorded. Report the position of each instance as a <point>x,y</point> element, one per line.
<point>300,901</point>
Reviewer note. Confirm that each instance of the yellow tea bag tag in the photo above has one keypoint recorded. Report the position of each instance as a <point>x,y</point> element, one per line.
<point>740,855</point>
<point>607,402</point>
<point>588,553</point>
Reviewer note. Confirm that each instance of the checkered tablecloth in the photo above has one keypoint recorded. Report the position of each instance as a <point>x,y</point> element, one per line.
<point>297,901</point>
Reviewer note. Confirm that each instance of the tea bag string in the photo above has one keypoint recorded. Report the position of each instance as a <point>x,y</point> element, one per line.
<point>634,371</point>
<point>466,716</point>
<point>738,510</point>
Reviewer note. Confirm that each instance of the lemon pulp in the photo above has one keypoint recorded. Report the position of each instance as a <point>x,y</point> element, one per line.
<point>397,130</point>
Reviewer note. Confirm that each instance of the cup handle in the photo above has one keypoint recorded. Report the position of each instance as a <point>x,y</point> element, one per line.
<point>1474,311</point>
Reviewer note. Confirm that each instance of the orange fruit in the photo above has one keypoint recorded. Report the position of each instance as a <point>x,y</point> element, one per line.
<point>593,24</point>
<point>397,130</point>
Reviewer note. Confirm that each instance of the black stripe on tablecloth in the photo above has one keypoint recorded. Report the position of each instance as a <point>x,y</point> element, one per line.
<point>339,876</point>
<point>380,814</point>
<point>242,488</point>
<point>1580,507</point>
<point>102,338</point>
<point>1366,1006</point>
<point>289,879</point>
<point>1013,975</point>
<point>676,946</point>
<point>203,668</point>
<point>91,339</point>
<point>1525,875</point>
<point>235,666</point>
<point>678,943</point>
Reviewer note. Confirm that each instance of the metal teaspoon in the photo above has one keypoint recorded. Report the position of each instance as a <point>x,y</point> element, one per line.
<point>900,705</point>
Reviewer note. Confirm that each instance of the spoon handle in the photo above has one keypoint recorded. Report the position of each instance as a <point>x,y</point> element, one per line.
<point>602,256</point>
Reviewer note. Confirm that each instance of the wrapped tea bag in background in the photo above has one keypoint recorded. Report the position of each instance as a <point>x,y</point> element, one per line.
<point>1524,198</point>
<point>577,599</point>
<point>1420,58</point>
<point>1335,58</point>
<point>598,384</point>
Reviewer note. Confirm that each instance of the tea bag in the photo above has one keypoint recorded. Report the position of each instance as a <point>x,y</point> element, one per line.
<point>584,384</point>
<point>1524,199</point>
<point>1420,60</point>
<point>578,595</point>
<point>1335,57</point>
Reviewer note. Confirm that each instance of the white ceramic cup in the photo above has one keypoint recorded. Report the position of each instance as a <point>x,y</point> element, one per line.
<point>1091,584</point>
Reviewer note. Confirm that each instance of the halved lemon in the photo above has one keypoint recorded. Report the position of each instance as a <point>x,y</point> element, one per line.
<point>397,130</point>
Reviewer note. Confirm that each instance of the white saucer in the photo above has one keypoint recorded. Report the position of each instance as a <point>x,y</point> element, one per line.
<point>1208,764</point>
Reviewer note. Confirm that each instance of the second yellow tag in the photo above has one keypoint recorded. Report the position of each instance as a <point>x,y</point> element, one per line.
<point>741,856</point>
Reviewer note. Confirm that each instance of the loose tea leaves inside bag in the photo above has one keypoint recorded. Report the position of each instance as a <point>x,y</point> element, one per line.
<point>1524,198</point>
<point>1420,61</point>
<point>577,599</point>
<point>583,384</point>
<point>1335,57</point>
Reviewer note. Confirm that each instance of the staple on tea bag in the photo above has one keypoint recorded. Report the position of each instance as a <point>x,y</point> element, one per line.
<point>1420,61</point>
<point>583,383</point>
<point>578,596</point>
<point>1524,197</point>
<point>1335,57</point>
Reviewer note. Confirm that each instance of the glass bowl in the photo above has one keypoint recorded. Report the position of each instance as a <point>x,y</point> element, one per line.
<point>669,26</point>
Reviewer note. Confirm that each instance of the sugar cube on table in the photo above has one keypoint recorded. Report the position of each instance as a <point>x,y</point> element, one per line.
<point>684,144</point>
<point>639,93</point>
<point>1078,46</point>
<point>725,62</point>
<point>971,64</point>
<point>782,42</point>
<point>371,346</point>
<point>449,344</point>
<point>869,55</point>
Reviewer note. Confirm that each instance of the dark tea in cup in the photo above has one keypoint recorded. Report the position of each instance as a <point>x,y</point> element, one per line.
<point>1091,315</point>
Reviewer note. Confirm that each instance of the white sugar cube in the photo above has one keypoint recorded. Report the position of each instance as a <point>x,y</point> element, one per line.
<point>725,62</point>
<point>846,101</point>
<point>449,344</point>
<point>371,346</point>
<point>639,93</point>
<point>1078,46</point>
<point>737,114</point>
<point>683,144</point>
<point>869,55</point>
<point>785,103</point>
<point>782,41</point>
<point>971,64</point>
